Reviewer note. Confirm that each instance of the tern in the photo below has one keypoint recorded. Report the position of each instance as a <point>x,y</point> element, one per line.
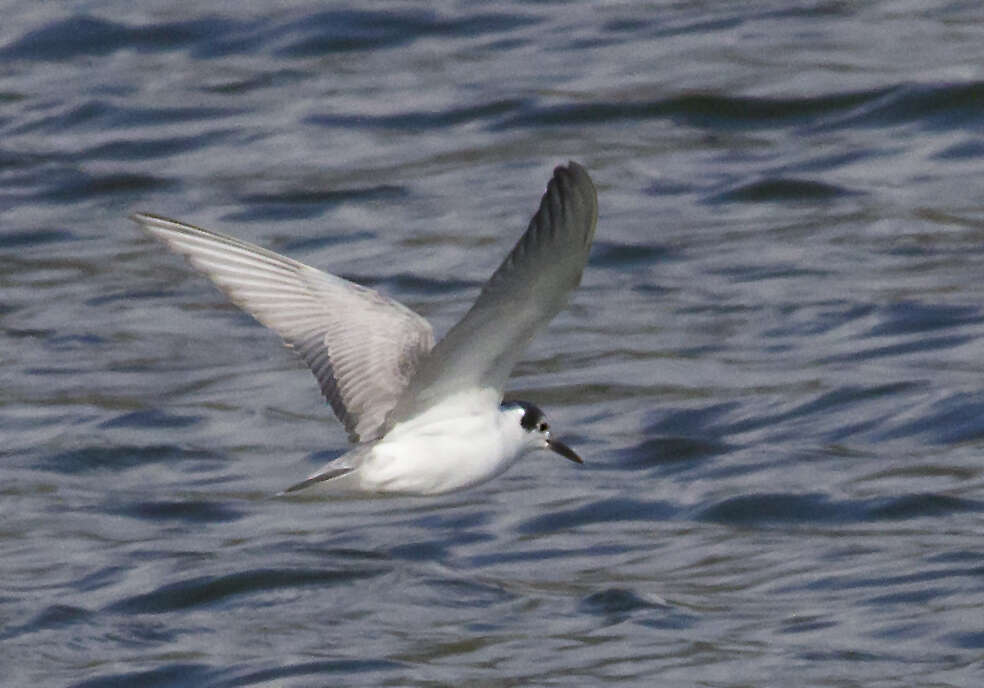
<point>425,419</point>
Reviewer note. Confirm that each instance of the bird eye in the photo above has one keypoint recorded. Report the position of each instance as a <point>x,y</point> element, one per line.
<point>544,427</point>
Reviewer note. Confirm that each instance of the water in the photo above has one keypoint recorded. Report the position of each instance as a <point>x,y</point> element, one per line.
<point>773,367</point>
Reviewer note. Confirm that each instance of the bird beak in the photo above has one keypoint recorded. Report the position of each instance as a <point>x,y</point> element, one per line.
<point>563,450</point>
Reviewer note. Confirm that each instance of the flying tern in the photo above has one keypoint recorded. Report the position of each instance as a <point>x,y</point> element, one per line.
<point>425,419</point>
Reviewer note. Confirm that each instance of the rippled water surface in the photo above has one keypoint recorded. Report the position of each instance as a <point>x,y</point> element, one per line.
<point>774,366</point>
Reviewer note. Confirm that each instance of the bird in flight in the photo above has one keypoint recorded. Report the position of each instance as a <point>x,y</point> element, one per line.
<point>425,419</point>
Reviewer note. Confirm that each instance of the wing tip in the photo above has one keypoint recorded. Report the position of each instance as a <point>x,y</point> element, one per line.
<point>574,169</point>
<point>572,185</point>
<point>575,176</point>
<point>150,219</point>
<point>161,227</point>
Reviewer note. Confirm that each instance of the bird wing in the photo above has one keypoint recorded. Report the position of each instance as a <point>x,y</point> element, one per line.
<point>361,346</point>
<point>530,287</point>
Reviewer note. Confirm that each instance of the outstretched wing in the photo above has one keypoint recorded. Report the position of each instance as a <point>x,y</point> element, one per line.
<point>530,287</point>
<point>362,346</point>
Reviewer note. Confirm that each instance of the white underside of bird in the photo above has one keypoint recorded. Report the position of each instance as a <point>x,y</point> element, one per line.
<point>424,419</point>
<point>445,449</point>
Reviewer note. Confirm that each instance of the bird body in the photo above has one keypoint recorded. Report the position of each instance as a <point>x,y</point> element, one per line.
<point>444,450</point>
<point>425,419</point>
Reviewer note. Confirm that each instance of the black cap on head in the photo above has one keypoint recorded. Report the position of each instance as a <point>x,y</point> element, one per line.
<point>532,415</point>
<point>533,419</point>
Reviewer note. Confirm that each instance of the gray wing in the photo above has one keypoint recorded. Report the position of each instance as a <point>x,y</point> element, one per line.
<point>362,346</point>
<point>530,287</point>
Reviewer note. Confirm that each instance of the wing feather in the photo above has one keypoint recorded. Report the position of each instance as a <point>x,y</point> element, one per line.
<point>531,286</point>
<point>361,346</point>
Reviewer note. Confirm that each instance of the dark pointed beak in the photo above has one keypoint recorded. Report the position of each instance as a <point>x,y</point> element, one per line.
<point>563,450</point>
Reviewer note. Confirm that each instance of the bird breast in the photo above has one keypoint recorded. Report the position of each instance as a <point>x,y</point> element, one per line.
<point>441,456</point>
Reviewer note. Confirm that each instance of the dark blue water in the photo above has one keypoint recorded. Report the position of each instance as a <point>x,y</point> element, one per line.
<point>774,366</point>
